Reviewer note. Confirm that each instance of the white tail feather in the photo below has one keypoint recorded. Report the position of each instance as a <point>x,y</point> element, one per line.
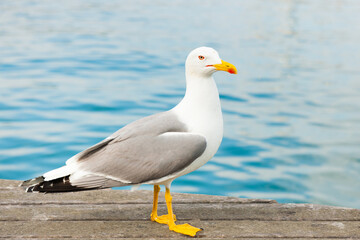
<point>58,173</point>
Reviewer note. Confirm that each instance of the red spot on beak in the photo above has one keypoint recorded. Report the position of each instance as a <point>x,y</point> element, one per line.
<point>231,70</point>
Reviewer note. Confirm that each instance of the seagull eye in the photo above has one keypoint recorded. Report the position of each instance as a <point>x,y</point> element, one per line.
<point>201,57</point>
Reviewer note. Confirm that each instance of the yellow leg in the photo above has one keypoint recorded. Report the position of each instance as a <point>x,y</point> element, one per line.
<point>185,229</point>
<point>164,219</point>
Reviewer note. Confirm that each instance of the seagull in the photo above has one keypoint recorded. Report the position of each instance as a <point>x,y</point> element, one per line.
<point>156,149</point>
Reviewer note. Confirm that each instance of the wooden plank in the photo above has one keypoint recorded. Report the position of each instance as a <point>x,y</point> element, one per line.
<point>109,214</point>
<point>203,211</point>
<point>213,229</point>
<point>12,194</point>
<point>150,238</point>
<point>113,197</point>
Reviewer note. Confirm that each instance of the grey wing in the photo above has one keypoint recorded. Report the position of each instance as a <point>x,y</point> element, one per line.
<point>138,159</point>
<point>90,150</point>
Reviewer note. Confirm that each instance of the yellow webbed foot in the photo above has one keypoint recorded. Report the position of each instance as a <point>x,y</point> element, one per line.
<point>185,229</point>
<point>170,218</point>
<point>164,219</point>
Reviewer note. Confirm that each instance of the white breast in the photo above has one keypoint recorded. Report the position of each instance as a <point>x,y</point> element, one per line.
<point>200,110</point>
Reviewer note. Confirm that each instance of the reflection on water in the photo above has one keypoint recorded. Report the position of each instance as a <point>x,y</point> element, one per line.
<point>73,73</point>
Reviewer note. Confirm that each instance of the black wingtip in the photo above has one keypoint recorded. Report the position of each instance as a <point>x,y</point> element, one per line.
<point>29,189</point>
<point>53,186</point>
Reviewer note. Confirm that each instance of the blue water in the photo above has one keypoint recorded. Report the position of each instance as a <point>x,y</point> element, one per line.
<point>73,72</point>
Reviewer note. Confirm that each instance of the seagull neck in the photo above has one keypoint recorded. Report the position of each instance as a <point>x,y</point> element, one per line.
<point>201,101</point>
<point>203,89</point>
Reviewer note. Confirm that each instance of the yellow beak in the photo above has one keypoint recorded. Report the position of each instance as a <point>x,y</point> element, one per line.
<point>225,66</point>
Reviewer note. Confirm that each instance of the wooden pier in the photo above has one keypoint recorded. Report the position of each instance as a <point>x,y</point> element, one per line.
<point>121,214</point>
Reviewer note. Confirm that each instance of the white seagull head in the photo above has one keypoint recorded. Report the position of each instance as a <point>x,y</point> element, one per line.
<point>204,61</point>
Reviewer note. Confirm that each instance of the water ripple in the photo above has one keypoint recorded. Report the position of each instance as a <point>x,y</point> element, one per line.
<point>291,116</point>
<point>288,142</point>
